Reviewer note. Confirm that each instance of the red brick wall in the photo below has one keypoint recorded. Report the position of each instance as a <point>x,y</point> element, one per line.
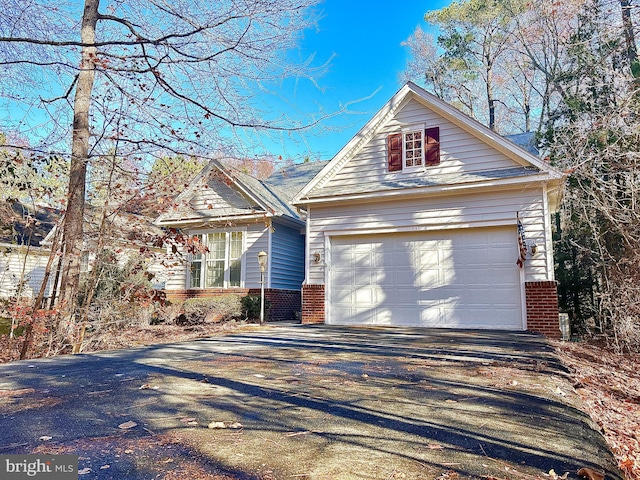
<point>284,303</point>
<point>542,308</point>
<point>313,304</point>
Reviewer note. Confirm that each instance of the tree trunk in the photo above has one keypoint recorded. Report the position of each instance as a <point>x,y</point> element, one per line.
<point>629,36</point>
<point>73,219</point>
<point>491,103</point>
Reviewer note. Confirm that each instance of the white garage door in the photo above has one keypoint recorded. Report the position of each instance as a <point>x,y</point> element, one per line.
<point>464,278</point>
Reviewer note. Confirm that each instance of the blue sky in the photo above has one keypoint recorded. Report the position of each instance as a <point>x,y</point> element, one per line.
<point>363,41</point>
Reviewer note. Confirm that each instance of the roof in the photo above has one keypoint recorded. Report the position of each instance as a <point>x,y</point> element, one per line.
<point>525,140</point>
<point>122,228</point>
<point>461,178</point>
<point>241,195</point>
<point>519,148</point>
<point>22,224</point>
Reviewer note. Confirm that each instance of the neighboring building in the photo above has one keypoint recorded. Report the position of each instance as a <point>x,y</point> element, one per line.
<point>414,222</point>
<point>235,216</point>
<point>22,259</point>
<point>26,236</point>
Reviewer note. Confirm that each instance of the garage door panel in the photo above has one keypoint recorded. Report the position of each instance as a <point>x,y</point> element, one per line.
<point>454,278</point>
<point>430,278</point>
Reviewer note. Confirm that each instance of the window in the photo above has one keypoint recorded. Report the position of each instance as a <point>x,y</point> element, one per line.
<point>221,266</point>
<point>413,150</point>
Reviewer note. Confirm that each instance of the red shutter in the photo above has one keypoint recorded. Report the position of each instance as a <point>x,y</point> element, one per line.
<point>394,152</point>
<point>432,146</point>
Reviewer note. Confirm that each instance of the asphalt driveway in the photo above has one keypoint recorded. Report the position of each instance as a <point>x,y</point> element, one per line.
<point>314,402</point>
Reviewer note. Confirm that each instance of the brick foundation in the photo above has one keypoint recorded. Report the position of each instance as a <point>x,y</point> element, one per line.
<point>542,308</point>
<point>283,303</point>
<point>313,304</point>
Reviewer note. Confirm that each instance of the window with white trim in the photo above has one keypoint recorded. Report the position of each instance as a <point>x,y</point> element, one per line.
<point>221,265</point>
<point>413,149</point>
<point>413,153</point>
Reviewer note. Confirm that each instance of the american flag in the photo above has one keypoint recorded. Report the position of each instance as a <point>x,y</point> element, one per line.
<point>522,246</point>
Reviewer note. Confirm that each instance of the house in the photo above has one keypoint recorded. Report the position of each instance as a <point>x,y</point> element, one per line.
<point>415,222</point>
<point>22,259</point>
<point>235,216</point>
<point>26,238</point>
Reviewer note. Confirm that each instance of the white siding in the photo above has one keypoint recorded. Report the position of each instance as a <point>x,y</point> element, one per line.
<point>460,151</point>
<point>433,213</point>
<point>287,258</point>
<point>12,265</point>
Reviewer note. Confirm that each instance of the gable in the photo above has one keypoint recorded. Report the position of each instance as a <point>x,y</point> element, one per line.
<point>211,196</point>
<point>469,154</point>
<point>223,194</point>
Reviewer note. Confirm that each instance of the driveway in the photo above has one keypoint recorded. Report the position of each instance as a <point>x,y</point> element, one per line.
<point>307,402</point>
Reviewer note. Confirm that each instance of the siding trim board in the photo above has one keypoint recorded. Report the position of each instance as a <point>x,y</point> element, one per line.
<point>440,190</point>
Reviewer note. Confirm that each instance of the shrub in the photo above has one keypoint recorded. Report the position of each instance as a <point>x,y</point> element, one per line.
<point>251,307</point>
<point>209,310</point>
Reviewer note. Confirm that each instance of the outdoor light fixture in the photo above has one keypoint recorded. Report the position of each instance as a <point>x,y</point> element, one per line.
<point>316,257</point>
<point>262,262</point>
<point>534,248</point>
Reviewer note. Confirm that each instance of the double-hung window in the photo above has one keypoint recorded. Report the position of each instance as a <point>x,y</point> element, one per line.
<point>221,265</point>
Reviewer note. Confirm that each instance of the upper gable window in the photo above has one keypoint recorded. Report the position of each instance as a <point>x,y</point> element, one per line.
<point>413,150</point>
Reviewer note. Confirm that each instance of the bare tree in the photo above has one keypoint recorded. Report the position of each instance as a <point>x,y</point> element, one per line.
<point>178,76</point>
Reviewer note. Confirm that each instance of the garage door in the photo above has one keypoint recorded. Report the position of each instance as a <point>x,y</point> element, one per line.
<point>464,278</point>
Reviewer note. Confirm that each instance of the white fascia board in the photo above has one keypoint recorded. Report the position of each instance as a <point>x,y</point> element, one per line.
<point>204,221</point>
<point>432,191</point>
<point>356,143</point>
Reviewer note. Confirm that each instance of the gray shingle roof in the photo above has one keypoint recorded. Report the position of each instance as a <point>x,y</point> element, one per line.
<point>23,224</point>
<point>277,190</point>
<point>526,140</point>
<point>400,183</point>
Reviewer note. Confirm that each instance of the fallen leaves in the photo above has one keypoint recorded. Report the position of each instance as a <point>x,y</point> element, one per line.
<point>590,474</point>
<point>608,384</point>
<point>16,393</point>
<point>191,421</point>
<point>230,425</point>
<point>555,476</point>
<point>127,425</point>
